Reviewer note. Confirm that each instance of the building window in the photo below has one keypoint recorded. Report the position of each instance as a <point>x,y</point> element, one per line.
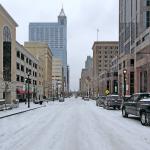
<point>145,81</point>
<point>6,54</point>
<point>35,74</point>
<point>22,57</point>
<point>27,60</point>
<point>30,62</point>
<point>17,78</point>
<point>22,68</point>
<point>148,3</point>
<point>131,83</point>
<point>148,19</point>
<point>124,64</point>
<point>35,66</point>
<point>120,66</point>
<point>132,62</point>
<point>22,79</point>
<point>27,70</point>
<point>115,74</point>
<point>141,76</point>
<point>18,54</point>
<point>30,81</point>
<point>18,66</point>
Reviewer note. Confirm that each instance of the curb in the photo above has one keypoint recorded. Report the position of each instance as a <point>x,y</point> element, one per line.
<point>20,112</point>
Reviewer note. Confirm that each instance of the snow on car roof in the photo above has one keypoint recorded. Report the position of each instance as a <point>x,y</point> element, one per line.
<point>145,99</point>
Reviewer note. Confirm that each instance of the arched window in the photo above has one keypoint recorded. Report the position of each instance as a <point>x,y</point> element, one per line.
<point>6,34</point>
<point>6,54</point>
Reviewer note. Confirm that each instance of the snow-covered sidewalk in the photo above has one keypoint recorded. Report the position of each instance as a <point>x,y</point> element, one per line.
<point>22,108</point>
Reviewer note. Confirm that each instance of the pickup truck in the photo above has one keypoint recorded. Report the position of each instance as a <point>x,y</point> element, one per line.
<point>138,105</point>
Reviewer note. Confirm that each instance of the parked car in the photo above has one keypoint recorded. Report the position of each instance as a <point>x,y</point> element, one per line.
<point>124,99</point>
<point>61,99</point>
<point>36,101</point>
<point>100,101</point>
<point>138,105</point>
<point>95,98</point>
<point>86,98</point>
<point>113,101</point>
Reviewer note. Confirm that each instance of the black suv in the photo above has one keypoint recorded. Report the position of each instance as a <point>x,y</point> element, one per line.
<point>138,105</point>
<point>113,101</point>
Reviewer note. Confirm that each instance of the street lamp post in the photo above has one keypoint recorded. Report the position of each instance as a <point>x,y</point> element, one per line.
<point>28,90</point>
<point>53,92</point>
<point>124,74</point>
<point>25,96</point>
<point>57,89</point>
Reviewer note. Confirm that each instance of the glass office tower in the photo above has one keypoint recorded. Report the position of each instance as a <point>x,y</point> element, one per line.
<point>55,34</point>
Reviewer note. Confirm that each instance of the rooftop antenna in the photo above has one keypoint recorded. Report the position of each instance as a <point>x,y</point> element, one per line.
<point>97,33</point>
<point>62,5</point>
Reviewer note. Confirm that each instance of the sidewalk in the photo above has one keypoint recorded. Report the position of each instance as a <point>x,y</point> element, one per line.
<point>21,109</point>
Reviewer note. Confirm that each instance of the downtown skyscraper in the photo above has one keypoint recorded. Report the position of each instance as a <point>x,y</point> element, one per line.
<point>55,35</point>
<point>134,46</point>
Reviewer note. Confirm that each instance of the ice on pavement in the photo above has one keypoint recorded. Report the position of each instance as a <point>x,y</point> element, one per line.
<point>73,125</point>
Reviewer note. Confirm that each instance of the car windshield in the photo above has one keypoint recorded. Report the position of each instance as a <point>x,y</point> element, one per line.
<point>145,96</point>
<point>114,97</point>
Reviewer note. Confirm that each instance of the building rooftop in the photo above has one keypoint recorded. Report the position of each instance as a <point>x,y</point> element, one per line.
<point>62,13</point>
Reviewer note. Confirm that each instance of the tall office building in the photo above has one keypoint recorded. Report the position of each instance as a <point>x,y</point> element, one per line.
<point>103,53</point>
<point>134,46</point>
<point>55,34</point>
<point>88,62</point>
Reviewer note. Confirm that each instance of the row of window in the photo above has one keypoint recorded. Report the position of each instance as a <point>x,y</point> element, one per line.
<point>22,68</point>
<point>131,63</point>
<point>28,61</point>
<point>107,52</point>
<point>105,56</point>
<point>112,74</point>
<point>148,3</point>
<point>106,47</point>
<point>23,79</point>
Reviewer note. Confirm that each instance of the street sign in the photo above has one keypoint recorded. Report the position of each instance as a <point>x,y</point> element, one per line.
<point>107,92</point>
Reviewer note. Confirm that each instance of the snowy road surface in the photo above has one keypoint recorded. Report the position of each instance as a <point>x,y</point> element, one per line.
<point>73,125</point>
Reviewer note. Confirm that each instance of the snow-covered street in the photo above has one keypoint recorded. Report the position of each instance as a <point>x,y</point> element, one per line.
<point>73,125</point>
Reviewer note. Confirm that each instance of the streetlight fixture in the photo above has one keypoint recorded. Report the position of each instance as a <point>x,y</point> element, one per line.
<point>53,92</point>
<point>124,74</point>
<point>25,90</point>
<point>28,90</point>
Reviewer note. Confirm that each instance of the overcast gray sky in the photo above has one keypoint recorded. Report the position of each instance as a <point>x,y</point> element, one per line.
<point>83,16</point>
